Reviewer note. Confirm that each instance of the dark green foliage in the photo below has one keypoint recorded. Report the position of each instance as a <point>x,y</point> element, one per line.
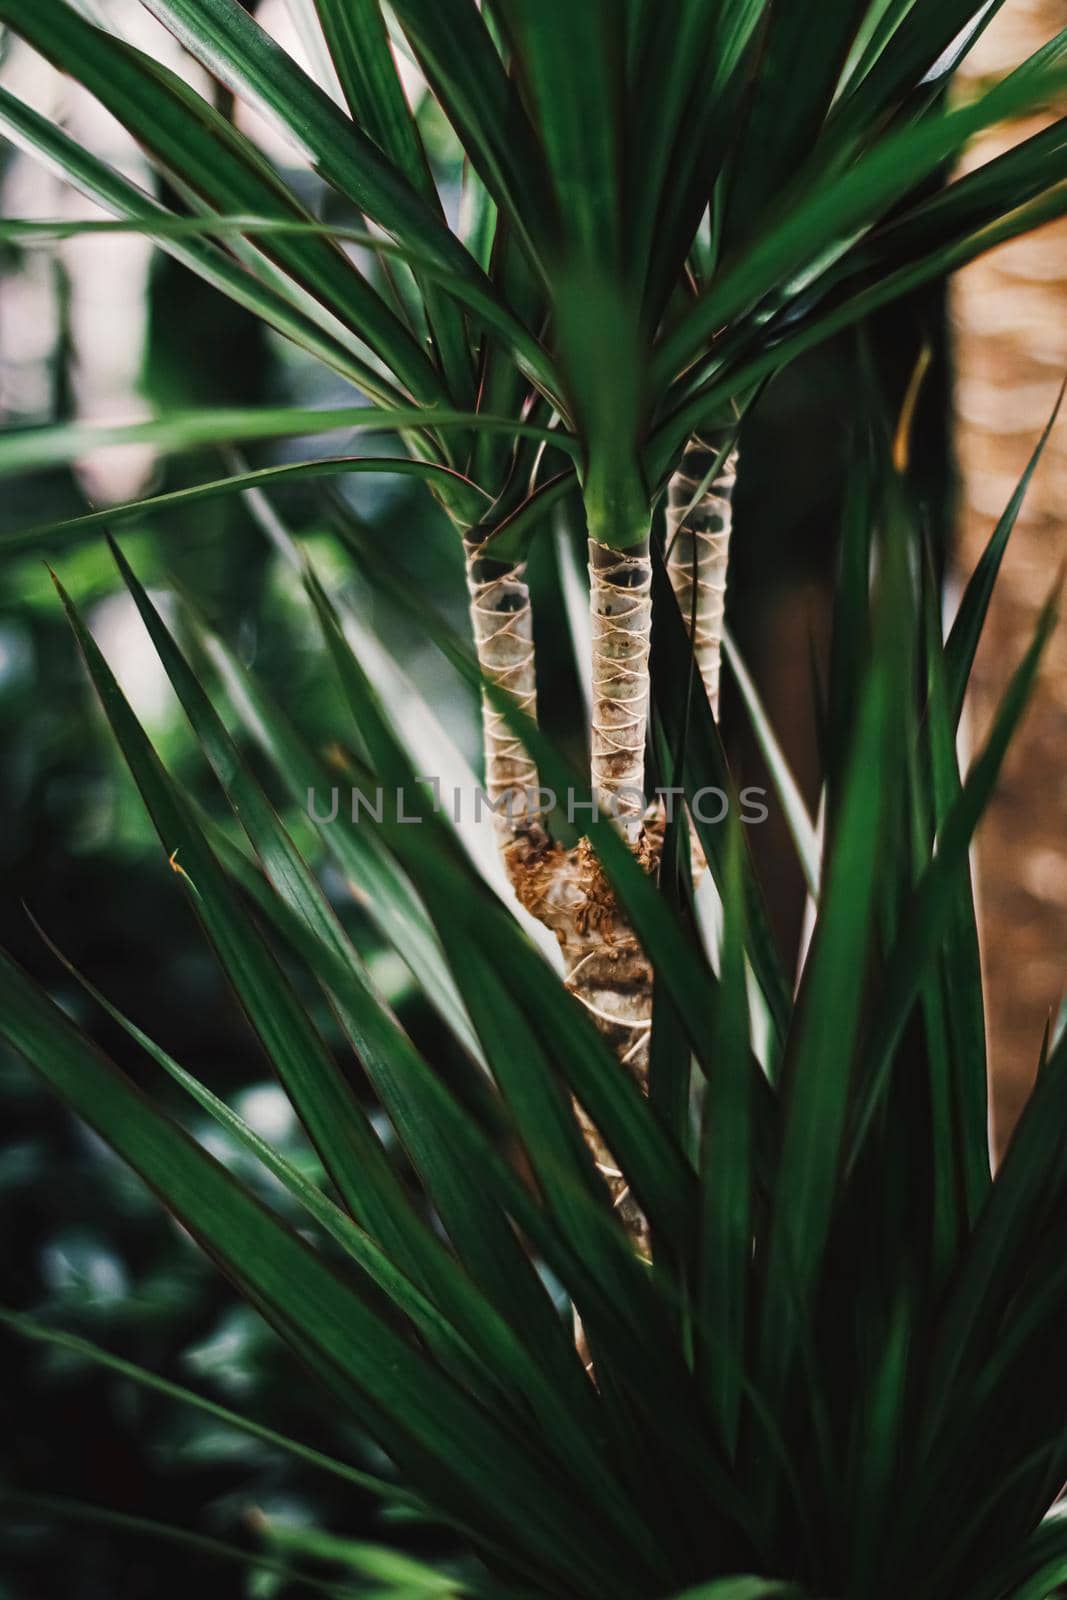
<point>842,1371</point>
<point>824,1370</point>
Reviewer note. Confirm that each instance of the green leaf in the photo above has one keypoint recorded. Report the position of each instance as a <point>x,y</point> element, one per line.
<point>839,204</point>
<point>966,631</point>
<point>511,539</point>
<point>864,507</point>
<point>705,406</point>
<point>503,389</point>
<point>202,149</point>
<point>925,921</point>
<point>463,68</point>
<point>425,738</point>
<point>415,1413</point>
<point>1038,1568</point>
<point>670,1055</point>
<point>38,1506</point>
<point>955,1015</point>
<point>549,1010</point>
<point>73,1344</point>
<point>570,59</point>
<point>73,528</point>
<point>794,807</point>
<point>374,877</point>
<point>392,1572</point>
<point>486,1240</point>
<point>359,45</point>
<point>916,45</point>
<point>164,227</point>
<point>615,1309</point>
<point>313,43</point>
<point>877,1432</point>
<point>743,1589</point>
<point>817,1074</point>
<point>684,973</point>
<point>881,22</point>
<point>727,59</point>
<point>727,1168</point>
<point>678,45</point>
<point>180,237</point>
<point>513,996</point>
<point>463,1167</point>
<point>706,768</point>
<point>55,445</point>
<point>1026,1196</point>
<point>969,203</point>
<point>222,35</point>
<point>321,1096</point>
<point>658,1175</point>
<point>799,68</point>
<point>441,1337</point>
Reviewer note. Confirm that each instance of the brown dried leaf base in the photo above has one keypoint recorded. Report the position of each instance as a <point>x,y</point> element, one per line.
<point>607,970</point>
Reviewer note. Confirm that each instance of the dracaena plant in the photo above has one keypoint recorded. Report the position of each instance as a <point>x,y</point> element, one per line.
<point>809,1353</point>
<point>663,204</point>
<point>840,1375</point>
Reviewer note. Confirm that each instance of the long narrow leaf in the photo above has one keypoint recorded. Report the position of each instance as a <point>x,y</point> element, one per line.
<point>416,1414</point>
<point>181,238</point>
<point>203,150</point>
<point>839,205</point>
<point>222,35</point>
<point>962,643</point>
<point>72,528</point>
<point>923,927</point>
<point>55,445</point>
<point>497,1255</point>
<point>73,1344</point>
<point>321,1096</point>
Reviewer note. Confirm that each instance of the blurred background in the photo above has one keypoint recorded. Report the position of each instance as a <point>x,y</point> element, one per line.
<point>106,328</point>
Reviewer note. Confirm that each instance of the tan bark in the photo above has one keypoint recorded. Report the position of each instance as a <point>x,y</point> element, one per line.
<point>607,971</point>
<point>620,603</point>
<point>699,523</point>
<point>566,889</point>
<point>1010,314</point>
<point>503,635</point>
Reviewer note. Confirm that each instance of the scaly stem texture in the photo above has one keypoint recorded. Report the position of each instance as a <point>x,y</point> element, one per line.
<point>503,637</point>
<point>607,970</point>
<point>620,600</point>
<point>699,522</point>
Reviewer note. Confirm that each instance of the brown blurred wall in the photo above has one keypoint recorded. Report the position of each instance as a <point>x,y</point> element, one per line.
<point>1009,315</point>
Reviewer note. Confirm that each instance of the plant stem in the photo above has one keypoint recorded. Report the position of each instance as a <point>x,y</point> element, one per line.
<point>699,523</point>
<point>620,602</point>
<point>503,635</point>
<point>607,970</point>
